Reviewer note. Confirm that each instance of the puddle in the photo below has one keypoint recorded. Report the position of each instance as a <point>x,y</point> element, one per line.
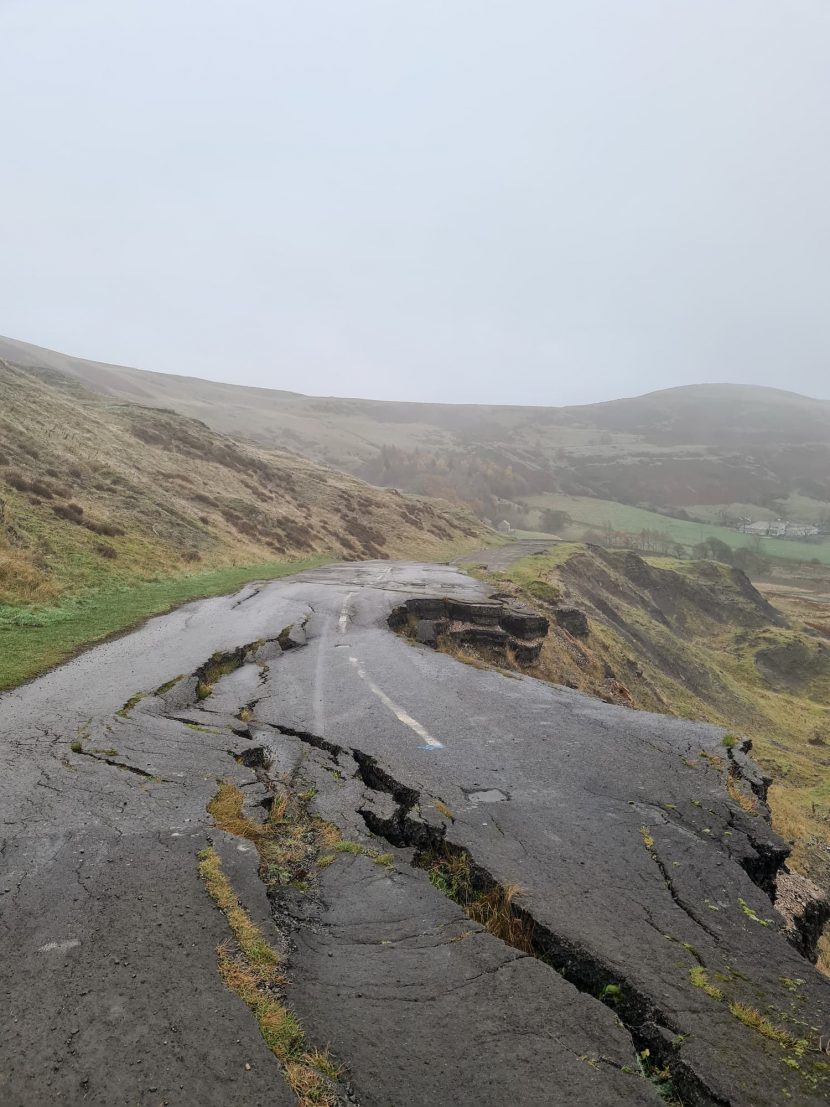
<point>488,795</point>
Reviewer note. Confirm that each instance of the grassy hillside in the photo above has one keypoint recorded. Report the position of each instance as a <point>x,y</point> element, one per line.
<point>697,449</point>
<point>110,511</point>
<point>696,639</point>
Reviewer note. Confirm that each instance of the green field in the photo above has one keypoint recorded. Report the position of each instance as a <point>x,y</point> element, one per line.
<point>597,513</point>
<point>35,638</point>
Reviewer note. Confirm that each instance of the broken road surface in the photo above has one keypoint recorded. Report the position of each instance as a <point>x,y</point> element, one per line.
<point>624,949</point>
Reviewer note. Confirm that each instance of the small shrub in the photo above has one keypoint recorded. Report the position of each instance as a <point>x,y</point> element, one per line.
<point>109,530</point>
<point>104,549</point>
<point>65,511</point>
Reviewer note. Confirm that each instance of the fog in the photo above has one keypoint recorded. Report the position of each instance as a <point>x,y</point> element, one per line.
<point>462,200</point>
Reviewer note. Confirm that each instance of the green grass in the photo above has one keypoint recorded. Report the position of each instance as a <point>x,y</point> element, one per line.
<point>597,513</point>
<point>35,638</point>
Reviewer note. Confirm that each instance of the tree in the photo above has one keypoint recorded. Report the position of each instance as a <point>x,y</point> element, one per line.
<point>752,563</point>
<point>552,521</point>
<point>713,549</point>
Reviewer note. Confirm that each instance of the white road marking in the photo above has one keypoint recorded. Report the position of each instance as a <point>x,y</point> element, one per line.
<point>59,947</point>
<point>343,621</point>
<point>398,712</point>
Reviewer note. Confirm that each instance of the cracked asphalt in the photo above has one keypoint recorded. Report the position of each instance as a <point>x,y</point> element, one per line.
<point>639,875</point>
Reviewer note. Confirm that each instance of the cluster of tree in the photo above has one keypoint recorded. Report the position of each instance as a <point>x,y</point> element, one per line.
<point>643,541</point>
<point>748,558</point>
<point>552,521</point>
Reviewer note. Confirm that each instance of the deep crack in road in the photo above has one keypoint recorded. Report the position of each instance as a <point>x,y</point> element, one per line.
<point>652,960</point>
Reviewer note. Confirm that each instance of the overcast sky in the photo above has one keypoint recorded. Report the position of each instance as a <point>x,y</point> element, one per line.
<point>523,201</point>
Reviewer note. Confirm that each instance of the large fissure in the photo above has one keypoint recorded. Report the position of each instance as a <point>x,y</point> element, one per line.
<point>655,1035</point>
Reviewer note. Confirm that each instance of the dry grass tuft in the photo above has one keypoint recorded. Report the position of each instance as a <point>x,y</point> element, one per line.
<point>745,800</point>
<point>451,872</point>
<point>752,1018</point>
<point>698,977</point>
<point>250,938</point>
<point>226,809</point>
<point>22,582</point>
<point>252,971</point>
<point>442,809</point>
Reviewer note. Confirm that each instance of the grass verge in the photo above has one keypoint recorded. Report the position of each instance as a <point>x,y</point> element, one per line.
<point>36,638</point>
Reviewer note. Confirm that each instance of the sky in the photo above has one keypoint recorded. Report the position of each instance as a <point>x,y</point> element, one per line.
<point>491,201</point>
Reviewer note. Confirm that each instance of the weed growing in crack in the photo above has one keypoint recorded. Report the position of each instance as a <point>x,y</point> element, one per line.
<point>752,1018</point>
<point>792,984</point>
<point>252,970</point>
<point>698,977</point>
<point>76,746</point>
<point>451,872</point>
<point>714,759</point>
<point>125,711</point>
<point>203,729</point>
<point>442,809</point>
<point>757,1021</point>
<point>750,914</point>
<point>347,846</point>
<point>745,800</point>
<point>221,664</point>
<point>167,686</point>
<point>250,939</point>
<point>288,841</point>
<point>292,844</point>
<point>660,1077</point>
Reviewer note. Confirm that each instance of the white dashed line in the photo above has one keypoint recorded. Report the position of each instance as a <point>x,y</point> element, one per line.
<point>398,712</point>
<point>343,621</point>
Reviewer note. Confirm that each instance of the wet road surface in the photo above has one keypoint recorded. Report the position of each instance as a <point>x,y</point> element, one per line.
<point>643,885</point>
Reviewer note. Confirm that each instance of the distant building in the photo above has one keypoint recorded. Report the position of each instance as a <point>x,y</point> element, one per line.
<point>780,528</point>
<point>504,527</point>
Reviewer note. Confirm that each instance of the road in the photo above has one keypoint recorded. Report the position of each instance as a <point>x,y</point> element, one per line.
<point>649,945</point>
<point>497,558</point>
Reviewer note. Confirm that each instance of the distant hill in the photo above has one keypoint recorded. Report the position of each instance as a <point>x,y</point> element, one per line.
<point>701,449</point>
